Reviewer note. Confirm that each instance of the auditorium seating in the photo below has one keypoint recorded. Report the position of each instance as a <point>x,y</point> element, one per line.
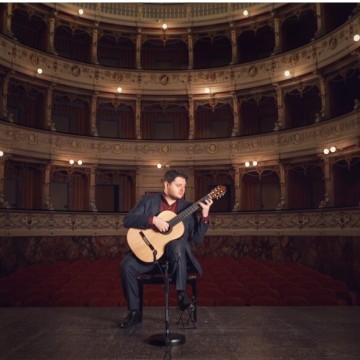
<point>226,282</point>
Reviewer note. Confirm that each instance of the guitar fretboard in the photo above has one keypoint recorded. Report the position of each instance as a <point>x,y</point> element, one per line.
<point>187,212</point>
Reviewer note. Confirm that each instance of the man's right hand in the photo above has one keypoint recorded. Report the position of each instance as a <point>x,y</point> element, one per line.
<point>161,224</point>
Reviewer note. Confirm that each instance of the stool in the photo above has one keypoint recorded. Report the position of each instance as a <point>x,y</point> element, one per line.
<point>186,317</point>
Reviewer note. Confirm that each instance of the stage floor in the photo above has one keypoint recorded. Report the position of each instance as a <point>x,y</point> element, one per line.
<point>249,333</point>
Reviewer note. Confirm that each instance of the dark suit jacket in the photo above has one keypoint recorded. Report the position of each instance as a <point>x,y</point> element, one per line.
<point>149,205</point>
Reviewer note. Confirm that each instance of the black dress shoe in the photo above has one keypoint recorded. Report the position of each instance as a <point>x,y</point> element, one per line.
<point>131,319</point>
<point>184,302</point>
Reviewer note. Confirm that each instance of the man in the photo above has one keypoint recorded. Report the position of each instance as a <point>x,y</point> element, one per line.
<point>145,216</point>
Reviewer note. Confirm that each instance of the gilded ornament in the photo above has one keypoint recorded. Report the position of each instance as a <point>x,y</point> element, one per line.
<point>75,70</point>
<point>252,71</point>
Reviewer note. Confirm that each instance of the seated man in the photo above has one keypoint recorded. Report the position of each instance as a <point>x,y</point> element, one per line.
<point>145,215</point>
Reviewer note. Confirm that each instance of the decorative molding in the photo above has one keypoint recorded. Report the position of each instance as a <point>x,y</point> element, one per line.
<point>321,222</point>
<point>343,131</point>
<point>306,60</point>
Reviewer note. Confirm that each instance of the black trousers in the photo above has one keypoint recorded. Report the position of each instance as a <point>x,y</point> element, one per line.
<point>131,267</point>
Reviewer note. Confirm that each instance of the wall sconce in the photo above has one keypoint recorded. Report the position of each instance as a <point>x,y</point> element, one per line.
<point>248,163</point>
<point>287,73</point>
<point>246,13</point>
<point>356,37</point>
<point>332,149</point>
<point>81,12</point>
<point>159,165</point>
<point>164,28</point>
<point>119,90</point>
<point>72,162</point>
<point>39,71</point>
<point>1,153</point>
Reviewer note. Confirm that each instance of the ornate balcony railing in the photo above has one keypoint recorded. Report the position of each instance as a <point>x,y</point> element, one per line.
<point>319,222</point>
<point>344,132</point>
<point>303,61</point>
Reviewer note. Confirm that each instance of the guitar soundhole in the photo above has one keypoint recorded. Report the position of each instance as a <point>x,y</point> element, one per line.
<point>169,230</point>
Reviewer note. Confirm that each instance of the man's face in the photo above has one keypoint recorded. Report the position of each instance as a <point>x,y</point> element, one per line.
<point>175,189</point>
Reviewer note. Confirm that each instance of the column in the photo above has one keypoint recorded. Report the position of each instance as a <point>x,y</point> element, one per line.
<point>190,185</point>
<point>234,48</point>
<point>325,109</point>
<point>6,24</point>
<point>281,121</point>
<point>46,188</point>
<point>283,193</point>
<point>3,102</point>
<point>277,48</point>
<point>95,33</point>
<point>235,130</point>
<point>92,188</point>
<point>191,118</point>
<point>138,49</point>
<point>138,117</point>
<point>48,107</point>
<point>240,121</point>
<point>94,131</point>
<point>3,202</point>
<point>190,49</point>
<point>237,202</point>
<point>320,23</point>
<point>329,186</point>
<point>50,47</point>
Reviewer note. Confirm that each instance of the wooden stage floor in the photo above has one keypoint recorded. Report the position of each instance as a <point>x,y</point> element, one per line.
<point>249,333</point>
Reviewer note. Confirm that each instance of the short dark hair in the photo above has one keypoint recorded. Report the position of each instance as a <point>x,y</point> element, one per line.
<point>170,175</point>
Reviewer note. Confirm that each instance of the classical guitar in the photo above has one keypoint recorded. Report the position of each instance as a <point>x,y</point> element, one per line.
<point>149,245</point>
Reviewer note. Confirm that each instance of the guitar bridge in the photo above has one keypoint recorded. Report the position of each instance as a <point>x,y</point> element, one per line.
<point>148,243</point>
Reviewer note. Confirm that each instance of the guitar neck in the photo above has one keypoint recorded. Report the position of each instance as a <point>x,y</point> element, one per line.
<point>187,212</point>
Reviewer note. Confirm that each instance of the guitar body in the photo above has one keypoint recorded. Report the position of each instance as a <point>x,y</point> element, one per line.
<point>158,240</point>
<point>149,245</point>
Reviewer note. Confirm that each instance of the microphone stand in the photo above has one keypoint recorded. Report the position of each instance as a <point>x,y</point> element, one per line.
<point>167,338</point>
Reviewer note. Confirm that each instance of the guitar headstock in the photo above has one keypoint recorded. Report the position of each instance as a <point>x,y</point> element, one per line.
<point>218,192</point>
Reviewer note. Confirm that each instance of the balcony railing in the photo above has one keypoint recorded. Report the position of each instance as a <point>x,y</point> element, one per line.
<point>319,222</point>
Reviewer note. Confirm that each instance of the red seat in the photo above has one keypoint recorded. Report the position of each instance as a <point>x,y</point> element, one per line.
<point>295,300</point>
<point>230,301</point>
<point>68,301</point>
<point>263,301</point>
<point>103,302</point>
